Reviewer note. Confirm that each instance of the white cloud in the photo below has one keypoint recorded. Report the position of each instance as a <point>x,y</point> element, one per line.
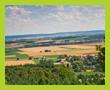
<point>15,10</point>
<point>80,17</point>
<point>21,20</point>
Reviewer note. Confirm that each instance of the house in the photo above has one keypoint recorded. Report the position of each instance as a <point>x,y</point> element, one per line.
<point>65,63</point>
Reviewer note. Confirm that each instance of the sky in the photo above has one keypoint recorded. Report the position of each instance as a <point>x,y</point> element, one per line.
<point>22,20</point>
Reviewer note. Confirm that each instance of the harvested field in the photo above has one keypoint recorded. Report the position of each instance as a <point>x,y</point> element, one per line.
<point>79,49</point>
<point>20,62</point>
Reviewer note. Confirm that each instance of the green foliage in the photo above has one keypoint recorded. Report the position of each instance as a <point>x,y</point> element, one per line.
<point>97,79</point>
<point>77,66</point>
<point>31,74</point>
<point>101,58</point>
<point>45,64</point>
<point>57,75</point>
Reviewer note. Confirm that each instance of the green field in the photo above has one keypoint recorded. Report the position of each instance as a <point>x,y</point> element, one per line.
<point>13,53</point>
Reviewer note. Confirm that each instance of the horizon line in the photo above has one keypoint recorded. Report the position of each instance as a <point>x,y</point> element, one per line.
<point>53,33</point>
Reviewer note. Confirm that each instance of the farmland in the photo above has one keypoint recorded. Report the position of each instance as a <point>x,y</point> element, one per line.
<point>59,50</point>
<point>55,51</point>
<point>55,44</point>
<point>81,56</point>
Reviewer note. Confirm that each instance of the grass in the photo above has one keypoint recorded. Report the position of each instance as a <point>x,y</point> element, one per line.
<point>48,57</point>
<point>22,56</point>
<point>10,57</point>
<point>36,61</point>
<point>51,56</point>
<point>69,48</point>
<point>12,51</point>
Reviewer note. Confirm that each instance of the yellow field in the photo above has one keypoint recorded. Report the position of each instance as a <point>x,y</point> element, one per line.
<point>20,62</point>
<point>79,49</point>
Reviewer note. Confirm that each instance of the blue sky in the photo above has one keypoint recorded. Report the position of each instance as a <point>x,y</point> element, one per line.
<point>52,19</point>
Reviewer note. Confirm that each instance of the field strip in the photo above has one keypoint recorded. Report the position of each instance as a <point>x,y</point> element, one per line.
<point>58,50</point>
<point>19,62</point>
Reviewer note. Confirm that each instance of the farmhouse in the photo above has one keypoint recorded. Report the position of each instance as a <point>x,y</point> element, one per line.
<point>63,62</point>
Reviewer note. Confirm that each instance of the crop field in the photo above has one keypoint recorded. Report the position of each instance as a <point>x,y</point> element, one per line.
<point>21,56</point>
<point>60,50</point>
<point>20,62</point>
<point>72,49</point>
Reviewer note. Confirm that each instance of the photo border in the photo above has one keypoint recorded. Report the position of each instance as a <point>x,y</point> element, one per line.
<point>104,3</point>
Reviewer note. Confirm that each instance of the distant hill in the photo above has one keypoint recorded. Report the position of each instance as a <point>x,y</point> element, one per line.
<point>55,35</point>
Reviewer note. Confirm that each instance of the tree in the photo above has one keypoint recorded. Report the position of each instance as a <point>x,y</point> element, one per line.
<point>101,56</point>
<point>30,58</point>
<point>17,58</point>
<point>77,66</point>
<point>98,47</point>
<point>46,63</point>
